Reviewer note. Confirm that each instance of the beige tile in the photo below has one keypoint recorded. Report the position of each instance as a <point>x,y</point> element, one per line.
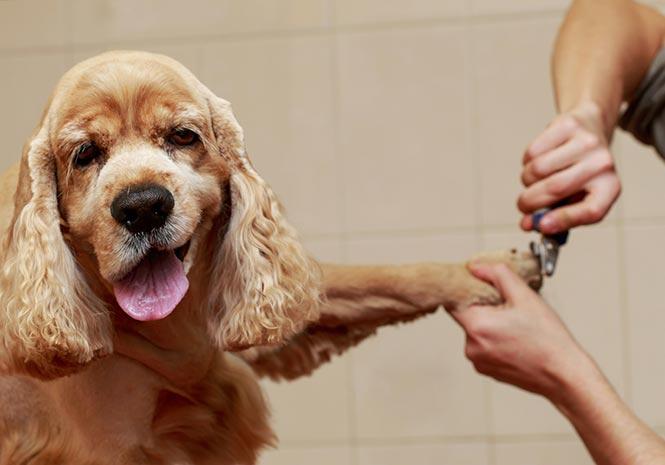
<point>122,20</point>
<point>402,120</point>
<point>586,292</point>
<point>434,454</point>
<point>543,453</point>
<point>451,247</point>
<point>314,408</point>
<point>79,54</point>
<point>189,54</point>
<point>517,6</point>
<point>281,92</point>
<point>642,173</point>
<point>32,23</point>
<point>325,250</point>
<point>340,455</point>
<point>25,84</point>
<point>644,255</point>
<point>519,412</point>
<point>513,103</point>
<point>413,380</point>
<point>354,12</point>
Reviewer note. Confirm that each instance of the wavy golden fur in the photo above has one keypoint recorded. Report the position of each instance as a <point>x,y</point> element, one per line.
<point>83,383</point>
<point>52,320</point>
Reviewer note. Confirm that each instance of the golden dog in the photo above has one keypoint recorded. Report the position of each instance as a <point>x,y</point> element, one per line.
<point>143,249</point>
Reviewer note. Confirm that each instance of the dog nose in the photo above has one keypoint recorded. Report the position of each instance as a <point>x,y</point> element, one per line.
<point>142,208</point>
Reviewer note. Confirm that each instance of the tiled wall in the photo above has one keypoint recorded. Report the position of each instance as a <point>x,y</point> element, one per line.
<point>393,132</point>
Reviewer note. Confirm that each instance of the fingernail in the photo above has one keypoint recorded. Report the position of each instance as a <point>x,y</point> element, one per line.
<point>476,267</point>
<point>525,224</point>
<point>473,266</point>
<point>548,223</point>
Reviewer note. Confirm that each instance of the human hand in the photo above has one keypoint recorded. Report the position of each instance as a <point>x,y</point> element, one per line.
<point>570,159</point>
<point>522,342</point>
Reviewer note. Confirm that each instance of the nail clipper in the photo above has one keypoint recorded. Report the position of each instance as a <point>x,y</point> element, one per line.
<point>547,250</point>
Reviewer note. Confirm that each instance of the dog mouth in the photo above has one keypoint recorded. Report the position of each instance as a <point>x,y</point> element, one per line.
<point>181,252</point>
<point>155,286</point>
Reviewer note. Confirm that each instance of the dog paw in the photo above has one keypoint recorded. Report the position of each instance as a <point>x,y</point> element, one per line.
<point>525,264</point>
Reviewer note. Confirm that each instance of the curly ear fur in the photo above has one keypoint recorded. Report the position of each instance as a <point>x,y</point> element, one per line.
<point>52,323</point>
<point>268,288</point>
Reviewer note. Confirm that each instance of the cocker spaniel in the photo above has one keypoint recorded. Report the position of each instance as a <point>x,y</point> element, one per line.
<point>149,277</point>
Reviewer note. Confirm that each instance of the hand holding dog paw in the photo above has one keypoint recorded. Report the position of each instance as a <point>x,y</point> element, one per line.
<point>521,342</point>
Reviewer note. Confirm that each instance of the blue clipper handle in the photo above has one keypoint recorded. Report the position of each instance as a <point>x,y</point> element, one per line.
<point>560,238</point>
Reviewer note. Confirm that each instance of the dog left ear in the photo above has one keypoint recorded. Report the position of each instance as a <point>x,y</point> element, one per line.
<point>267,287</point>
<point>52,323</point>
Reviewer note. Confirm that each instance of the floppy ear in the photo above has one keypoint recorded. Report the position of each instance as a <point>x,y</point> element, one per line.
<point>52,323</point>
<point>267,287</point>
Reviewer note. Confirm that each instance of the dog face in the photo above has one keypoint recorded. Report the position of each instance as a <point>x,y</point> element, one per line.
<point>140,179</point>
<point>139,167</point>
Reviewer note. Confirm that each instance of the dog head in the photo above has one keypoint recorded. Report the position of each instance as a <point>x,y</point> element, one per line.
<point>135,181</point>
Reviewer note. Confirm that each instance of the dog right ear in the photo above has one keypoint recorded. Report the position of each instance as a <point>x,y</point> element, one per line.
<point>267,286</point>
<point>52,322</point>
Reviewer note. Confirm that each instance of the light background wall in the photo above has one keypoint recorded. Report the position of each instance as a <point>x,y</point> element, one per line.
<point>393,132</point>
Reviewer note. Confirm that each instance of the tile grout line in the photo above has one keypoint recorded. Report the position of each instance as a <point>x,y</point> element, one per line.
<point>352,421</point>
<point>472,147</point>
<point>313,31</point>
<point>623,299</point>
<point>426,440</point>
<point>465,229</point>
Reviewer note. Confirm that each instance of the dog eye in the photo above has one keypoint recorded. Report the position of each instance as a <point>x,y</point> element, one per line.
<point>86,154</point>
<point>183,137</point>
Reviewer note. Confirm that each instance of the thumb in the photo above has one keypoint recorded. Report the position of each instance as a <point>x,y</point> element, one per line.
<point>510,285</point>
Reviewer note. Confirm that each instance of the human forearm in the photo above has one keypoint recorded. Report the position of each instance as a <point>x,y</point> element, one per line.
<point>602,52</point>
<point>610,430</point>
<point>524,343</point>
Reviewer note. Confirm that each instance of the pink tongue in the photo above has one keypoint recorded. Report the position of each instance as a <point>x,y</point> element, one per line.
<point>153,289</point>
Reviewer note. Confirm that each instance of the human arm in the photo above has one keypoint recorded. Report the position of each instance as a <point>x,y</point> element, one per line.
<point>524,343</point>
<point>601,55</point>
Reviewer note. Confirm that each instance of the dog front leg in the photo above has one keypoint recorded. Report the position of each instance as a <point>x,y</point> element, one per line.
<point>360,299</point>
<point>386,294</point>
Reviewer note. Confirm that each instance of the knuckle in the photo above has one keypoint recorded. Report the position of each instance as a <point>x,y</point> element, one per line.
<point>539,169</point>
<point>594,213</point>
<point>476,329</point>
<point>470,352</point>
<point>529,154</point>
<point>616,186</point>
<point>472,328</point>
<point>523,204</point>
<point>605,161</point>
<point>475,353</point>
<point>481,368</point>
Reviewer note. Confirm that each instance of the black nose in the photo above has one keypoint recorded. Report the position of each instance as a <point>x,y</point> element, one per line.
<point>142,208</point>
